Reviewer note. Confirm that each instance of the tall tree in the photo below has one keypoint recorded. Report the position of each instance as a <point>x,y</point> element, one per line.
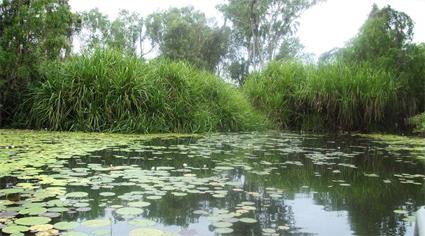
<point>186,34</point>
<point>384,38</point>
<point>385,42</point>
<point>31,31</point>
<point>260,27</point>
<point>126,33</point>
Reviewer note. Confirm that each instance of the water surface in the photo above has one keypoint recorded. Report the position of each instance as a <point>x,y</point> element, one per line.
<point>232,184</point>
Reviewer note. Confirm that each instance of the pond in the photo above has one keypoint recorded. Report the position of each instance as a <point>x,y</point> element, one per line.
<point>269,183</point>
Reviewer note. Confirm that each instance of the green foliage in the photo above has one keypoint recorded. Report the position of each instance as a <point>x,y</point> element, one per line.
<point>384,42</point>
<point>185,34</point>
<point>260,28</point>
<point>125,33</point>
<point>108,91</point>
<point>418,122</point>
<point>326,96</point>
<point>383,39</point>
<point>30,32</point>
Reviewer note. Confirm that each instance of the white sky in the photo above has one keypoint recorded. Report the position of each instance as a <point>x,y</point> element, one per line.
<point>322,27</point>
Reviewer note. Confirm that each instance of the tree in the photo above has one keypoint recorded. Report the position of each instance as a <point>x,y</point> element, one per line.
<point>31,31</point>
<point>383,40</point>
<point>260,27</point>
<point>185,34</point>
<point>125,34</point>
<point>292,49</point>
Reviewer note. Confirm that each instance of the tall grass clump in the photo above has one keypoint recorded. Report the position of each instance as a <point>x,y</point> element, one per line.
<point>325,96</point>
<point>109,91</point>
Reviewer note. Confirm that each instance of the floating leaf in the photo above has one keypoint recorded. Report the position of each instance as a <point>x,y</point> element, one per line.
<point>248,220</point>
<point>38,228</point>
<point>139,204</point>
<point>11,229</point>
<point>96,223</point>
<point>146,231</point>
<point>224,230</point>
<point>129,211</point>
<point>76,195</point>
<point>66,225</point>
<point>29,221</point>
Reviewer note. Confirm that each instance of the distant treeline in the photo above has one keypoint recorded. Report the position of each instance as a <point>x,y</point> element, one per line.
<point>375,83</point>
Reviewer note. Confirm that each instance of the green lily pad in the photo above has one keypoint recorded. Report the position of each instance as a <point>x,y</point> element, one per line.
<point>248,220</point>
<point>96,223</point>
<point>139,204</point>
<point>129,211</point>
<point>224,230</point>
<point>33,211</point>
<point>29,221</point>
<point>107,194</point>
<point>65,225</point>
<point>11,229</point>
<point>76,195</point>
<point>222,224</point>
<point>57,209</point>
<point>38,228</point>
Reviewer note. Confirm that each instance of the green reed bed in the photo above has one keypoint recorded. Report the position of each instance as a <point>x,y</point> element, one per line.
<point>108,91</point>
<point>325,96</point>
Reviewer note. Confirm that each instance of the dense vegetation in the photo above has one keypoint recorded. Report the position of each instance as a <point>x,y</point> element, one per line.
<point>107,91</point>
<point>376,82</point>
<point>333,96</point>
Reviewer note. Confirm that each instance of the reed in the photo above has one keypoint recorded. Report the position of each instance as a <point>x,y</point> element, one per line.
<point>325,96</point>
<point>108,91</point>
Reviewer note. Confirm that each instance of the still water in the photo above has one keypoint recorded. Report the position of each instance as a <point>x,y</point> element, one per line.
<point>220,184</point>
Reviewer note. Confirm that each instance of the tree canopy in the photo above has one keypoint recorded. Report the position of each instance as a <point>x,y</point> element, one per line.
<point>31,31</point>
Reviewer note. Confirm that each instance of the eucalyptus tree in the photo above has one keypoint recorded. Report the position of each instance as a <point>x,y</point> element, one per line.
<point>126,33</point>
<point>31,31</point>
<point>260,27</point>
<point>186,34</point>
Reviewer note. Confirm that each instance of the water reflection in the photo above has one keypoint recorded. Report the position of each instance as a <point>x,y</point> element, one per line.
<point>290,184</point>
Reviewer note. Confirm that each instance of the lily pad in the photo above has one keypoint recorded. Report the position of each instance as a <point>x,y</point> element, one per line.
<point>139,204</point>
<point>248,220</point>
<point>11,229</point>
<point>76,195</point>
<point>30,221</point>
<point>129,211</point>
<point>96,223</point>
<point>107,194</point>
<point>222,224</point>
<point>33,211</point>
<point>38,228</point>
<point>65,225</point>
<point>224,230</point>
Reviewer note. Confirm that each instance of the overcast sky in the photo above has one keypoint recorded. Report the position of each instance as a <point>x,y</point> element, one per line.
<point>322,27</point>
